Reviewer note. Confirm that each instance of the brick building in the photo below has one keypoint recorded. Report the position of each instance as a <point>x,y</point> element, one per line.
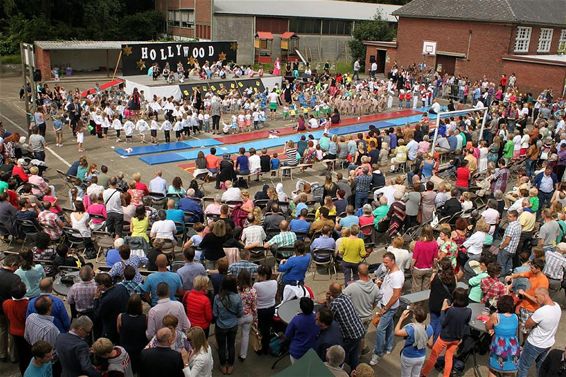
<point>187,18</point>
<point>481,37</point>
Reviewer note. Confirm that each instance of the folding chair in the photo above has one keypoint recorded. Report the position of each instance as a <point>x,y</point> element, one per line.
<point>324,258</point>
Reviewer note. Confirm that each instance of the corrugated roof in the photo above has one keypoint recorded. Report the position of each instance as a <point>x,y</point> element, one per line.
<point>264,35</point>
<point>344,10</point>
<point>85,45</point>
<point>540,12</point>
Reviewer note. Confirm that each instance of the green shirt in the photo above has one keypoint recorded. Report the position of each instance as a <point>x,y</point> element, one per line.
<point>379,213</point>
<point>535,203</point>
<point>475,289</point>
<point>508,149</point>
<point>3,186</point>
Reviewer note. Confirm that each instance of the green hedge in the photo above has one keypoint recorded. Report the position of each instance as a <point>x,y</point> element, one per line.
<point>10,59</point>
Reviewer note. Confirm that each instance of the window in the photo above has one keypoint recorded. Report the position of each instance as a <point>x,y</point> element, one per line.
<point>523,38</point>
<point>305,25</point>
<point>544,40</point>
<point>181,18</point>
<point>336,27</point>
<point>562,42</point>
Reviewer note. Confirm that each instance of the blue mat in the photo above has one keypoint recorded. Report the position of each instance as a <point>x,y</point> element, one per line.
<point>169,147</point>
<point>257,144</point>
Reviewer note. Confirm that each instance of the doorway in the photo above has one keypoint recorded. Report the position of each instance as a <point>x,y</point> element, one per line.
<point>381,54</point>
<point>445,64</point>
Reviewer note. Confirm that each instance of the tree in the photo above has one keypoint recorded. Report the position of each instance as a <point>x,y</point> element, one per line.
<point>373,30</point>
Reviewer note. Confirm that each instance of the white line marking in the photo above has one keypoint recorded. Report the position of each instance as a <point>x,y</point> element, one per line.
<point>47,148</point>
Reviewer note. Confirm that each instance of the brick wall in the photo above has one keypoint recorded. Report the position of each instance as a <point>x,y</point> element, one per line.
<point>488,43</point>
<point>535,77</point>
<point>203,18</point>
<point>43,62</point>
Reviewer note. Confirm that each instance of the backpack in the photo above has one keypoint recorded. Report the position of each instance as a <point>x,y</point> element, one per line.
<point>239,216</point>
<point>241,183</point>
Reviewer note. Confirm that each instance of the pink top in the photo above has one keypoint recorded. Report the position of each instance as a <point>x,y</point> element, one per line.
<point>424,254</point>
<point>97,209</point>
<point>249,301</point>
<point>365,220</point>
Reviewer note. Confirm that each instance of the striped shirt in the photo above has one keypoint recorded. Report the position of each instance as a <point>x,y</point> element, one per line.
<point>40,327</point>
<point>513,231</point>
<point>283,239</point>
<point>236,267</point>
<point>555,264</point>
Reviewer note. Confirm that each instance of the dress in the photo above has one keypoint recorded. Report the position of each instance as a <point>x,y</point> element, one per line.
<point>428,205</point>
<point>132,336</point>
<point>505,350</point>
<point>482,163</point>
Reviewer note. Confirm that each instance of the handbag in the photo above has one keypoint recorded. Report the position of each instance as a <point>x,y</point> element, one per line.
<point>376,318</point>
<point>255,338</point>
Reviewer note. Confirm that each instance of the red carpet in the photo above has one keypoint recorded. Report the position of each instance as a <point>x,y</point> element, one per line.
<point>288,130</point>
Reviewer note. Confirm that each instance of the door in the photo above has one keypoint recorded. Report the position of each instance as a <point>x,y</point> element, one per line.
<point>381,54</point>
<point>445,64</point>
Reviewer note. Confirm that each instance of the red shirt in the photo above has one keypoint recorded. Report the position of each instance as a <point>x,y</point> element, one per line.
<point>198,308</point>
<point>20,173</point>
<point>462,177</point>
<point>143,187</point>
<point>15,312</point>
<point>424,253</point>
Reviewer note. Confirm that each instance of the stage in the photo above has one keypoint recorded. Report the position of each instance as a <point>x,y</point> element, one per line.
<point>161,88</point>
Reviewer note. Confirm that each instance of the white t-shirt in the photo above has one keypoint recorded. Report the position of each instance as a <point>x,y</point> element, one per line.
<point>164,229</point>
<point>255,162</point>
<point>402,257</point>
<point>266,291</point>
<point>393,280</point>
<point>547,318</point>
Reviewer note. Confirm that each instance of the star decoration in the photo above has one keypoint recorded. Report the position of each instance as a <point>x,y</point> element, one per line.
<point>191,60</point>
<point>222,56</point>
<point>127,50</point>
<point>234,46</point>
<point>141,64</point>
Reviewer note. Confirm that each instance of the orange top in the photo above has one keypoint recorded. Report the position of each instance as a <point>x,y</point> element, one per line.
<point>536,281</point>
<point>212,161</point>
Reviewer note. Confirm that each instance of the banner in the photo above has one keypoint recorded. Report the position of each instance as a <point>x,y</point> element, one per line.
<point>138,58</point>
<point>255,84</point>
<point>187,89</point>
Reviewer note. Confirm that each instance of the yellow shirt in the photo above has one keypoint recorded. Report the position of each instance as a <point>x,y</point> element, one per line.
<point>353,250</point>
<point>140,227</point>
<point>527,221</point>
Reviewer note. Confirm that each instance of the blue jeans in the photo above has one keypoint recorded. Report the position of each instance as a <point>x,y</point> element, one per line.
<point>384,333</point>
<point>530,167</point>
<point>435,323</point>
<point>529,355</point>
<point>361,198</point>
<point>505,260</point>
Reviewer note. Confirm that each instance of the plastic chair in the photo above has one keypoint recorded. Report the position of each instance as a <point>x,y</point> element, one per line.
<point>324,258</point>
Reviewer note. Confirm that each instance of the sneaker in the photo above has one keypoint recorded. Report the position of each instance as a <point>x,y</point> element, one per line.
<point>387,352</point>
<point>374,359</point>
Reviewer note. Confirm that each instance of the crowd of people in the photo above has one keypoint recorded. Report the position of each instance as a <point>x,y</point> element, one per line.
<point>184,269</point>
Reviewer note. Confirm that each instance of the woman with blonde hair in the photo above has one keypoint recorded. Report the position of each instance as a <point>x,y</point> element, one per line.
<point>198,305</point>
<point>200,359</point>
<point>474,243</point>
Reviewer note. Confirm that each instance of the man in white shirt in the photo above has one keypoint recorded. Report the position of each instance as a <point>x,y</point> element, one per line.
<point>163,228</point>
<point>158,184</point>
<point>165,307</point>
<point>113,202</point>
<point>435,108</point>
<point>543,325</point>
<point>391,289</point>
<point>255,163</point>
<point>94,187</point>
<point>412,149</point>
<point>232,194</point>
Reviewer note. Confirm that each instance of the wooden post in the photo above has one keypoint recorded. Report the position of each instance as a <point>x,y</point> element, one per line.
<point>117,63</point>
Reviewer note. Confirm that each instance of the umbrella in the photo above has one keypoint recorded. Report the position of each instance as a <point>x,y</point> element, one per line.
<point>309,365</point>
<point>104,86</point>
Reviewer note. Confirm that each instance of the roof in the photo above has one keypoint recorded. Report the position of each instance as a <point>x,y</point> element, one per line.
<point>264,35</point>
<point>288,35</point>
<point>84,45</point>
<point>343,10</point>
<point>539,12</point>
<point>559,60</point>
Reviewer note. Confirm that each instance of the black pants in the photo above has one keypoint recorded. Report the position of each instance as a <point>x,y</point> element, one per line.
<point>39,155</point>
<point>42,127</point>
<point>115,223</point>
<point>264,323</point>
<point>226,340</point>
<point>215,122</point>
<point>352,348</point>
<point>23,350</point>
<point>167,136</point>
